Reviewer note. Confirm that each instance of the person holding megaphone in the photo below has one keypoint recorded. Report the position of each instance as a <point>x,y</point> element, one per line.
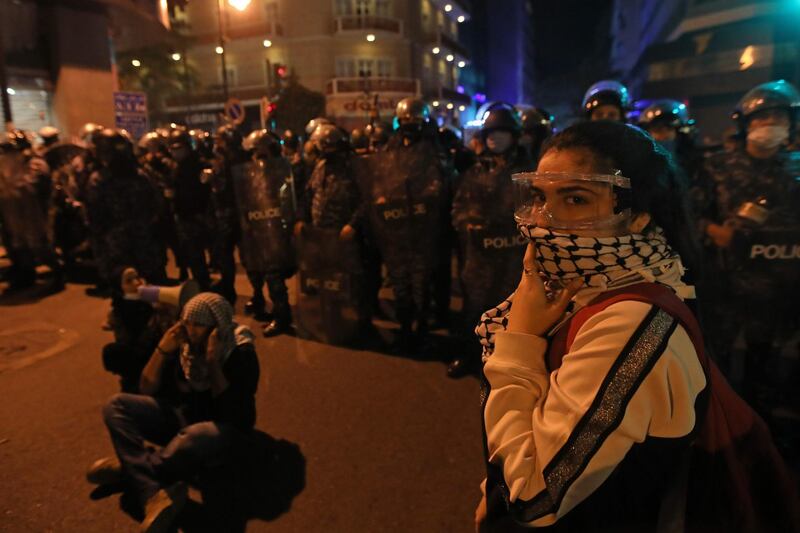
<point>140,315</point>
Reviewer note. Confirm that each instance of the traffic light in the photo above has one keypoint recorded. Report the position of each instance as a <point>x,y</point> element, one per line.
<point>281,71</point>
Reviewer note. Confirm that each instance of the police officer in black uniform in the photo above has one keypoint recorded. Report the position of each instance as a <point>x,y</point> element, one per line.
<point>25,201</point>
<point>123,208</point>
<point>537,127</point>
<point>230,158</point>
<point>410,203</point>
<point>482,216</point>
<point>668,122</point>
<point>191,200</point>
<point>749,205</point>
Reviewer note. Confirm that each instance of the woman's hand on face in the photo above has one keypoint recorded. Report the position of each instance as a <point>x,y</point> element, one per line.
<point>173,338</point>
<point>533,312</point>
<point>212,347</point>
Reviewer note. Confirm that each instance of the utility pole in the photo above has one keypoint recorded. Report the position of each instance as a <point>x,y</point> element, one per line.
<point>220,11</point>
<point>7,118</point>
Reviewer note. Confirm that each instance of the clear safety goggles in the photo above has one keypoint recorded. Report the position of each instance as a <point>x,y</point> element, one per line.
<point>572,201</point>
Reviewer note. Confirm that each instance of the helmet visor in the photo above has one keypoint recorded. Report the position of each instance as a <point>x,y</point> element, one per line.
<point>572,201</point>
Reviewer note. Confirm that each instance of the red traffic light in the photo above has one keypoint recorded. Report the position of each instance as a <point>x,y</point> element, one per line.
<point>281,71</point>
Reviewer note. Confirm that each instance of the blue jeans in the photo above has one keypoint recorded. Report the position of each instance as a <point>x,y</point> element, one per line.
<point>133,419</point>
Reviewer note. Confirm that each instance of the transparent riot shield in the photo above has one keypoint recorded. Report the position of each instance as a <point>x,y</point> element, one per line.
<point>330,274</point>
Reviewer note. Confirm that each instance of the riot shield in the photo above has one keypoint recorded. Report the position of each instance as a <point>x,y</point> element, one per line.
<point>24,218</point>
<point>265,229</point>
<point>405,205</point>
<point>330,279</point>
<point>492,265</point>
<point>767,258</point>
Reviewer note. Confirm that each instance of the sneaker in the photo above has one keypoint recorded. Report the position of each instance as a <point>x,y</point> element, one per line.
<point>105,471</point>
<point>163,507</point>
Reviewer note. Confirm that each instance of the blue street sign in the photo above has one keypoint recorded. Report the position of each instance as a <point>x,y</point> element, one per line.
<point>234,111</point>
<point>130,113</point>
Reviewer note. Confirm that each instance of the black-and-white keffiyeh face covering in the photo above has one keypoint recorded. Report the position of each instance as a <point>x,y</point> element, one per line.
<point>603,263</point>
<point>212,310</point>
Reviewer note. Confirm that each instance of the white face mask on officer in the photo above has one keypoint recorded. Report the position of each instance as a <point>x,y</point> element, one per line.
<point>499,141</point>
<point>768,137</point>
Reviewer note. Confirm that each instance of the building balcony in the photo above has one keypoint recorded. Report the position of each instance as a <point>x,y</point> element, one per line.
<point>372,85</point>
<point>240,31</point>
<point>457,8</point>
<point>349,23</point>
<point>447,44</point>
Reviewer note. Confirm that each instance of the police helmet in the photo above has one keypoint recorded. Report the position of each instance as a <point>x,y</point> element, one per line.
<point>89,132</point>
<point>228,137</point>
<point>180,137</point>
<point>537,120</point>
<point>290,140</point>
<point>49,135</point>
<point>314,123</point>
<point>501,116</point>
<point>112,144</point>
<point>412,109</point>
<point>152,140</point>
<point>665,112</point>
<point>15,141</point>
<point>378,133</point>
<point>606,92</point>
<point>358,139</point>
<point>263,143</point>
<point>779,94</point>
<point>328,139</point>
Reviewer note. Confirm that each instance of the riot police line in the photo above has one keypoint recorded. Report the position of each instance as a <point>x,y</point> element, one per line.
<point>344,210</point>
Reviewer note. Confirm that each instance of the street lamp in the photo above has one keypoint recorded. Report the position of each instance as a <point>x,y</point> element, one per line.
<point>239,5</point>
<point>435,50</point>
<point>450,58</point>
<point>461,18</point>
<point>267,43</point>
<point>176,56</point>
<point>220,50</point>
<point>462,64</point>
<point>136,63</point>
<point>371,37</point>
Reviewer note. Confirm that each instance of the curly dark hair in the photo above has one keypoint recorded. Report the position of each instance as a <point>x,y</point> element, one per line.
<point>658,186</point>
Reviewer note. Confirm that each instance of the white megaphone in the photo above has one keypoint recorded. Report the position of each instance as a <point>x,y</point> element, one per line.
<point>175,296</point>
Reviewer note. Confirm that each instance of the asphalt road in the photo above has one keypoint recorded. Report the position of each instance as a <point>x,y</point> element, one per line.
<point>389,443</point>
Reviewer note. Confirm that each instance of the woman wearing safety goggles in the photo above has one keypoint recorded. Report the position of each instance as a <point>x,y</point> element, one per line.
<point>603,412</point>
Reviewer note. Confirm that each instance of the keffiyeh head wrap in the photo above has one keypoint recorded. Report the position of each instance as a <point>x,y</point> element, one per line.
<point>212,310</point>
<point>603,263</point>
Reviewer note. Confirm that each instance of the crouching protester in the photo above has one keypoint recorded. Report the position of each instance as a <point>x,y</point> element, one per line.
<point>602,411</point>
<point>197,401</point>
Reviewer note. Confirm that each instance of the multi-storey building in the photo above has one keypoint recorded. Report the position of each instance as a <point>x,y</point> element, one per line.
<point>361,54</point>
<point>58,61</point>
<point>707,53</point>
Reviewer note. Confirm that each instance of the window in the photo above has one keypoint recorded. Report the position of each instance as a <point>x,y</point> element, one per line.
<point>344,7</point>
<point>428,61</point>
<point>365,68</point>
<point>383,8</point>
<point>352,67</point>
<point>442,70</point>
<point>385,69</point>
<point>345,67</point>
<point>440,20</point>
